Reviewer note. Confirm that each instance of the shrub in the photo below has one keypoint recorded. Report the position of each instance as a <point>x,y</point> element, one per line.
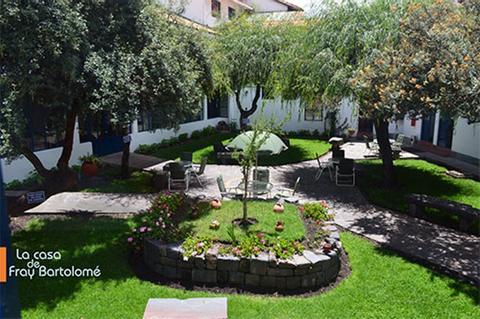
<point>317,211</point>
<point>33,180</point>
<point>194,246</point>
<point>196,134</point>
<point>183,137</point>
<point>251,245</point>
<point>158,221</point>
<point>209,130</point>
<point>284,248</point>
<point>304,133</point>
<point>173,140</point>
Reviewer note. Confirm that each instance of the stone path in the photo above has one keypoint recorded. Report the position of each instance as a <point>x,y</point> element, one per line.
<point>98,203</point>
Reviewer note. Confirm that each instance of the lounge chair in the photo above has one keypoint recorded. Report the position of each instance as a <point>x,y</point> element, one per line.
<point>288,194</point>
<point>230,192</point>
<point>201,169</point>
<point>345,172</point>
<point>177,174</point>
<point>322,165</point>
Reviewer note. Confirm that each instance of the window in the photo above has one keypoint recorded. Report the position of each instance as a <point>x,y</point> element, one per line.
<point>193,118</point>
<point>231,13</point>
<point>313,115</point>
<point>217,106</point>
<point>216,8</point>
<point>42,132</point>
<point>147,121</point>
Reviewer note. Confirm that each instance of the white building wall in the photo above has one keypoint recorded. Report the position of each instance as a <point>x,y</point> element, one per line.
<point>466,138</point>
<point>267,5</point>
<point>21,167</point>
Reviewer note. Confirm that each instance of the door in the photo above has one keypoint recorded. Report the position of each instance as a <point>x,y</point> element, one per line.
<point>445,132</point>
<point>105,137</point>
<point>428,127</point>
<point>365,127</point>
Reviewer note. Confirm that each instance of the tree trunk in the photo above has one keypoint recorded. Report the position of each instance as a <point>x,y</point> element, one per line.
<point>126,157</point>
<point>244,114</point>
<point>35,161</point>
<point>70,122</point>
<point>246,172</point>
<point>381,128</point>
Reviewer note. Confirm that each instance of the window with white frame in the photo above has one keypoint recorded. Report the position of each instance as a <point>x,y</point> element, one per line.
<point>216,8</point>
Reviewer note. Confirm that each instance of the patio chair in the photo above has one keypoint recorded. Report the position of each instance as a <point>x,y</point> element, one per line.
<point>261,174</point>
<point>345,173</point>
<point>230,192</point>
<point>201,169</point>
<point>288,194</point>
<point>338,154</point>
<point>222,154</point>
<point>177,174</point>
<point>322,165</point>
<point>186,158</point>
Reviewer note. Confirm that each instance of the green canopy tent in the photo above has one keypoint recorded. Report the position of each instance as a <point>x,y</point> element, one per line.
<point>272,143</point>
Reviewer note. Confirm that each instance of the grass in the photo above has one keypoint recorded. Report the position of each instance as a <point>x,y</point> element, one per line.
<point>301,149</point>
<point>139,183</point>
<point>416,176</point>
<point>381,285</point>
<point>260,210</point>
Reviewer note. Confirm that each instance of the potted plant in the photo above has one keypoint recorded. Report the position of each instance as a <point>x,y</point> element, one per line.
<point>280,226</point>
<point>90,165</point>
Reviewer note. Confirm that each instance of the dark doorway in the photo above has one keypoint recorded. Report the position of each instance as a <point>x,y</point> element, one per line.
<point>428,127</point>
<point>445,132</point>
<point>106,138</point>
<point>365,127</point>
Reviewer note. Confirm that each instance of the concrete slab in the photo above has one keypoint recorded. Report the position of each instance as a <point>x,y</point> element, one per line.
<point>136,161</point>
<point>99,203</point>
<point>194,308</point>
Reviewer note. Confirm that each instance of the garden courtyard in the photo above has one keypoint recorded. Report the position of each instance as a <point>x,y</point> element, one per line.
<point>391,256</point>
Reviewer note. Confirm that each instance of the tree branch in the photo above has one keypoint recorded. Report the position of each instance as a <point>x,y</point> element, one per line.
<point>37,164</point>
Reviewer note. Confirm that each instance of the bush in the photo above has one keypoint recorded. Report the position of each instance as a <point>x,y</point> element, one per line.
<point>284,248</point>
<point>196,134</point>
<point>317,211</point>
<point>194,246</point>
<point>33,180</point>
<point>183,137</point>
<point>304,133</point>
<point>159,221</point>
<point>209,130</point>
<point>173,141</point>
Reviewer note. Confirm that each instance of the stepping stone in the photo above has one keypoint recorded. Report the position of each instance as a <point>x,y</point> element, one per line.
<point>194,308</point>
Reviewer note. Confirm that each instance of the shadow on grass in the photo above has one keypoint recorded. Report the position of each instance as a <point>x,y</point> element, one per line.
<point>83,243</point>
<point>458,287</point>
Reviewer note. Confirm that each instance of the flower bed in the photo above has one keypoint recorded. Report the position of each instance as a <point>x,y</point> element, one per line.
<point>178,242</point>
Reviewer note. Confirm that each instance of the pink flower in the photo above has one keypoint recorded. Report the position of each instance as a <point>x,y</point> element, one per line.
<point>143,229</point>
<point>130,239</point>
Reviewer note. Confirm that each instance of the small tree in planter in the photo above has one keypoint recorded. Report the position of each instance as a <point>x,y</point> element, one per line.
<point>90,165</point>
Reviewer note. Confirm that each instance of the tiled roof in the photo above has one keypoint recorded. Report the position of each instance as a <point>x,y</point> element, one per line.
<point>291,6</point>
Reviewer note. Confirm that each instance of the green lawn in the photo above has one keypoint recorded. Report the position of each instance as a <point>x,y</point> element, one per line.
<point>381,285</point>
<point>260,210</point>
<point>301,149</point>
<point>418,176</point>
<point>139,182</point>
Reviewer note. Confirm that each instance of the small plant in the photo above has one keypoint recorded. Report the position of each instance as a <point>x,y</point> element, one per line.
<point>231,233</point>
<point>285,249</point>
<point>208,131</point>
<point>195,246</point>
<point>280,226</point>
<point>183,137</point>
<point>317,211</point>
<point>251,245</point>
<point>90,159</point>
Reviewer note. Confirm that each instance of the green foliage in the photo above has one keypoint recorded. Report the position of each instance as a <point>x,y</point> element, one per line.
<point>318,211</point>
<point>195,246</point>
<point>249,246</point>
<point>33,180</point>
<point>284,248</point>
<point>90,158</point>
<point>434,66</point>
<point>183,137</point>
<point>208,131</point>
<point>160,221</point>
<point>196,134</point>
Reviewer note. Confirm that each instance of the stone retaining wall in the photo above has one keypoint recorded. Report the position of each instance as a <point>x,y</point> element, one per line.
<point>310,270</point>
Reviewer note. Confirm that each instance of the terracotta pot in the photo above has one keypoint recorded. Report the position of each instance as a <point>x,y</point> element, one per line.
<point>278,208</point>
<point>327,248</point>
<point>279,226</point>
<point>216,204</point>
<point>89,169</point>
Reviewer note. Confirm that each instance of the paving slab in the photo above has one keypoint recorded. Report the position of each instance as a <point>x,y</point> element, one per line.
<point>99,203</point>
<point>194,308</point>
<point>136,161</point>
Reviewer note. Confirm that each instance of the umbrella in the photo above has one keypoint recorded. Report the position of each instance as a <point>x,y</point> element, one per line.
<point>272,143</point>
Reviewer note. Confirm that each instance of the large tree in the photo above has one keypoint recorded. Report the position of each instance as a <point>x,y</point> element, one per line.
<point>245,54</point>
<point>348,39</point>
<point>435,66</point>
<point>67,58</point>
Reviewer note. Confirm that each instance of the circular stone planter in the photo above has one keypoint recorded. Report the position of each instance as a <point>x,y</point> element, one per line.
<point>312,269</point>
